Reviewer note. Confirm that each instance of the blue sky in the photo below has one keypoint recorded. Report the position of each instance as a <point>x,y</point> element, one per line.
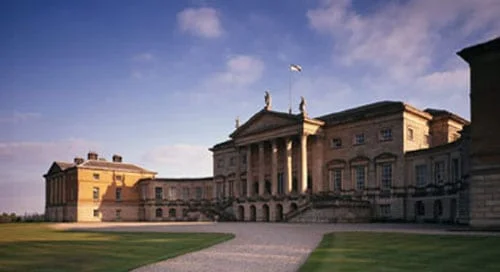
<point>160,82</point>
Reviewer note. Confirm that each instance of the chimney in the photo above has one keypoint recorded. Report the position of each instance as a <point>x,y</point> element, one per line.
<point>78,160</point>
<point>117,158</point>
<point>92,156</point>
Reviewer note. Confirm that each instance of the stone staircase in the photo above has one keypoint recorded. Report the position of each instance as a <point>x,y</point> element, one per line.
<point>331,210</point>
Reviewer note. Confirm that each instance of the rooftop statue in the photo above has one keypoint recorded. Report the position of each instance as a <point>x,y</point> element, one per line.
<point>267,100</point>
<point>302,106</point>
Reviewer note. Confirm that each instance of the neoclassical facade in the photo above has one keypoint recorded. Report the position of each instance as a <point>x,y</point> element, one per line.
<point>280,166</point>
<point>383,161</point>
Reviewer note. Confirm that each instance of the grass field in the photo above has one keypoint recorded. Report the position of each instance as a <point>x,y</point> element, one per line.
<point>30,247</point>
<point>358,251</point>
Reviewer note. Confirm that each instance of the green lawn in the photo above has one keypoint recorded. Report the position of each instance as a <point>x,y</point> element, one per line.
<point>363,251</point>
<point>30,247</point>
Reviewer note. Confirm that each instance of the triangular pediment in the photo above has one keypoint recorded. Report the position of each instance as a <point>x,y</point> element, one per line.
<point>265,120</point>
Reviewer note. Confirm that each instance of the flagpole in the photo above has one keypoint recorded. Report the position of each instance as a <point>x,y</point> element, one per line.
<point>290,91</point>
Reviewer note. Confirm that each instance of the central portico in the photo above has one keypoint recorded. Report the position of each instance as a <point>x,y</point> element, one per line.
<point>278,147</point>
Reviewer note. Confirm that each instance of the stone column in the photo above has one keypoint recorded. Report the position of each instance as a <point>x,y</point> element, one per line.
<point>237,179</point>
<point>64,190</point>
<point>274,168</point>
<point>249,171</point>
<point>262,165</point>
<point>288,165</point>
<point>318,182</point>
<point>303,164</point>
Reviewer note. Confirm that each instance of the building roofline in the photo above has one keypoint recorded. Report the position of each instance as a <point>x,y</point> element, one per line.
<point>188,179</point>
<point>476,50</point>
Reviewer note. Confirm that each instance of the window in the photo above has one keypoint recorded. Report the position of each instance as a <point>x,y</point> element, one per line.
<point>232,161</point>
<point>172,213</point>
<point>336,143</point>
<point>96,176</point>
<point>244,159</point>
<point>96,213</point>
<point>386,176</point>
<point>439,172</point>
<point>159,213</point>
<point>409,134</point>
<point>385,210</point>
<point>360,177</point>
<point>386,134</point>
<point>118,177</point>
<point>95,193</point>
<point>185,193</point>
<point>336,179</point>
<point>419,208</point>
<point>199,192</point>
<point>220,163</point>
<point>244,188</point>
<point>172,193</point>
<point>359,139</point>
<point>455,170</point>
<point>118,214</point>
<point>118,194</point>
<point>421,175</point>
<point>158,193</point>
<point>231,188</point>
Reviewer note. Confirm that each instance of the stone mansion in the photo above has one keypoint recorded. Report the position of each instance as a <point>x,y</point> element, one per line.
<point>383,161</point>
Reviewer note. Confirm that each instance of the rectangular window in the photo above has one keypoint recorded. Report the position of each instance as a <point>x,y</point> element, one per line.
<point>385,210</point>
<point>199,192</point>
<point>386,134</point>
<point>455,170</point>
<point>281,183</point>
<point>360,177</point>
<point>421,175</point>
<point>118,177</point>
<point>96,176</point>
<point>409,134</point>
<point>220,163</point>
<point>231,187</point>
<point>232,161</point>
<point>336,143</point>
<point>244,159</point>
<point>158,193</point>
<point>359,138</point>
<point>386,176</point>
<point>118,194</point>
<point>244,188</point>
<point>439,172</point>
<point>95,193</point>
<point>336,179</point>
<point>172,193</point>
<point>96,213</point>
<point>118,214</point>
<point>185,193</point>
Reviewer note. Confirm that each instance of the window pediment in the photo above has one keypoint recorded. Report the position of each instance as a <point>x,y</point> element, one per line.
<point>385,157</point>
<point>359,160</point>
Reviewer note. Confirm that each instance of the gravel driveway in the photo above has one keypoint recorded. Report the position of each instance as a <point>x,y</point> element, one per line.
<point>257,246</point>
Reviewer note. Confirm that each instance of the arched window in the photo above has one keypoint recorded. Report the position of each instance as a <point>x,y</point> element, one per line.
<point>159,212</point>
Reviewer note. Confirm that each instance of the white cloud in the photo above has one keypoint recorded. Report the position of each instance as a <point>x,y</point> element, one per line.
<point>18,117</point>
<point>401,38</point>
<point>36,153</point>
<point>241,70</point>
<point>202,22</point>
<point>143,57</point>
<point>405,50</point>
<point>181,160</point>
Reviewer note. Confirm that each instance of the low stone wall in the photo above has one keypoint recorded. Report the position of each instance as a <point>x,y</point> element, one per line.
<point>335,211</point>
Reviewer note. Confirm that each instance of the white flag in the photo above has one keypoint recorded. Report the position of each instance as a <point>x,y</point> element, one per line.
<point>295,67</point>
